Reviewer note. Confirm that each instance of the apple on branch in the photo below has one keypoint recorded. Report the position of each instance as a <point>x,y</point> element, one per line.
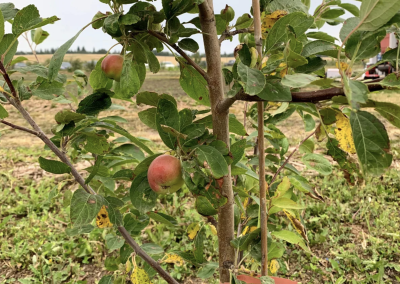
<point>165,174</point>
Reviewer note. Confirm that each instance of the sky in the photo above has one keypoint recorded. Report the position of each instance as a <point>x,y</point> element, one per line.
<point>75,14</point>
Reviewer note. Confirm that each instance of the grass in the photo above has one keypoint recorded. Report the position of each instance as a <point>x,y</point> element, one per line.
<point>354,235</point>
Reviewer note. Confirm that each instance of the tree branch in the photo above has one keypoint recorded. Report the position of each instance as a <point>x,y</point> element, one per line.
<point>227,34</point>
<point>164,39</point>
<point>19,127</point>
<point>140,252</point>
<point>62,156</point>
<point>311,97</point>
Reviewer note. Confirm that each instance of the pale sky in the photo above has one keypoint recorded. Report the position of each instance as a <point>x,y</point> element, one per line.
<point>75,14</point>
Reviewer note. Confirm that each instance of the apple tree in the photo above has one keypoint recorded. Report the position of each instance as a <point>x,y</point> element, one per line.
<point>243,184</point>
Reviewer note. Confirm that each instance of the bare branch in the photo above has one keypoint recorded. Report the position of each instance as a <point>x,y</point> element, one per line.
<point>17,127</point>
<point>227,33</point>
<point>140,252</point>
<point>164,39</point>
<point>311,97</point>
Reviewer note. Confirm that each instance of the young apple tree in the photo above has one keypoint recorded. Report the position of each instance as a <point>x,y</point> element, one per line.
<point>243,184</point>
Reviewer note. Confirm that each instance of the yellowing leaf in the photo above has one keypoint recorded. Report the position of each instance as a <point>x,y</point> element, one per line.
<point>1,89</point>
<point>139,276</point>
<point>252,229</point>
<point>268,21</point>
<point>245,204</point>
<point>344,67</point>
<point>174,258</point>
<point>274,266</point>
<point>297,225</point>
<point>213,230</point>
<point>344,134</point>
<point>102,220</point>
<point>245,230</point>
<point>192,230</point>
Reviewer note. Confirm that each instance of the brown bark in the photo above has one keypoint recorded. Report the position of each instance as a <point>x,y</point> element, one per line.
<point>261,151</point>
<point>221,130</point>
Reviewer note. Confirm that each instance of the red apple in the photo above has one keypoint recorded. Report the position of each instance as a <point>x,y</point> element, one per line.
<point>165,174</point>
<point>112,66</point>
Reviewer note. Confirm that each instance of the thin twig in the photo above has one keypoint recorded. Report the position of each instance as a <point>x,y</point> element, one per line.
<point>163,38</point>
<point>19,127</point>
<point>290,156</point>
<point>33,50</point>
<point>227,33</point>
<point>140,252</point>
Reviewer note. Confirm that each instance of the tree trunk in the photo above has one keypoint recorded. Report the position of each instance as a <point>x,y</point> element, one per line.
<point>221,130</point>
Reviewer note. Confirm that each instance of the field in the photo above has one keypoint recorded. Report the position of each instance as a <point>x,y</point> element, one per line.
<point>354,235</point>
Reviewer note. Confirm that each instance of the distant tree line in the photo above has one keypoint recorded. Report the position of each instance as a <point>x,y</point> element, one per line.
<point>82,50</point>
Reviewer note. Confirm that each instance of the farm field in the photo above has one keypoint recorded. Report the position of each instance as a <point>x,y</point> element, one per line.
<point>354,235</point>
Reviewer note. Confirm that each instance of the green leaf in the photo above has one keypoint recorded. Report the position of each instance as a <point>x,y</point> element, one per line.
<point>3,112</point>
<point>124,253</point>
<point>6,42</point>
<point>314,64</point>
<point>97,144</point>
<point>41,71</point>
<point>300,183</point>
<point>322,36</point>
<point>48,90</point>
<point>351,8</point>
<point>152,99</point>
<point>235,126</point>
<point>291,237</point>
<point>143,198</point>
<point>163,218</point>
<point>129,19</point>
<point>198,249</point>
<point>238,150</point>
<point>309,123</point>
<point>371,12</point>
<point>194,84</point>
<point>213,159</point>
<point>363,45</point>
<point>114,242</point>
<point>123,132</point>
<point>317,162</point>
<point>28,18</point>
<point>318,47</point>
<point>135,226</point>
<point>293,59</point>
<point>95,169</point>
<point>189,45</point>
<point>208,270</point>
<point>108,279</point>
<point>84,207</point>
<point>307,147</point>
<point>18,60</point>
<point>389,111</point>
<point>286,203</point>
<point>111,25</point>
<point>154,64</point>
<point>2,31</point>
<point>391,81</point>
<point>371,142</point>
<point>274,91</point>
<point>129,83</point>
<point>244,21</point>
<point>167,114</point>
<point>66,116</point>
<point>332,13</point>
<point>54,167</point>
<point>253,79</point>
<point>85,229</point>
<point>8,10</point>
<point>148,117</point>
<point>96,102</point>
<point>328,115</point>
<point>39,35</point>
<point>300,23</point>
<point>356,92</point>
<point>298,80</point>
<point>97,78</point>
<point>152,249</point>
<point>348,26</point>
<point>204,206</point>
<point>58,57</point>
<point>243,242</point>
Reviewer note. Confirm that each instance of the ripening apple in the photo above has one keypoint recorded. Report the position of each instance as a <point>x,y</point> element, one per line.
<point>112,66</point>
<point>165,174</point>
